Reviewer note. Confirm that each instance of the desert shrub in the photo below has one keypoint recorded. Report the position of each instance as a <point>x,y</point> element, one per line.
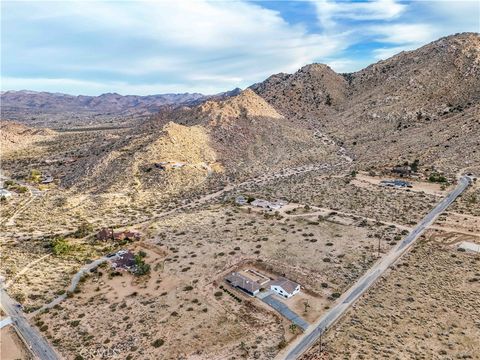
<point>335,295</point>
<point>414,165</point>
<point>35,176</point>
<point>218,294</point>
<point>60,246</point>
<point>282,344</point>
<point>83,230</point>
<point>21,189</point>
<point>437,178</point>
<point>8,184</point>
<point>141,267</point>
<point>157,343</point>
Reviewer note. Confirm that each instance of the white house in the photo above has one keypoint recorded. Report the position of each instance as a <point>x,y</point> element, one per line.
<point>241,200</point>
<point>5,193</point>
<point>268,204</point>
<point>284,287</point>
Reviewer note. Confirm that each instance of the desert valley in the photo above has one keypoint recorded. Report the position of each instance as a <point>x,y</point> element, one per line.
<point>314,215</point>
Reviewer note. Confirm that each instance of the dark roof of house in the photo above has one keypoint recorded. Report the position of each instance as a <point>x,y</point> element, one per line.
<point>105,234</point>
<point>242,282</point>
<point>396,182</point>
<point>287,285</point>
<point>125,260</point>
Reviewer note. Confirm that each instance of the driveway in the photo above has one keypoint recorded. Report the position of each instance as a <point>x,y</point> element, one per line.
<point>285,311</point>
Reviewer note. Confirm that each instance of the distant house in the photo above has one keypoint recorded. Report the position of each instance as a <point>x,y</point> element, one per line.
<point>241,200</point>
<point>241,282</point>
<point>125,260</point>
<point>108,234</point>
<point>177,165</point>
<point>267,204</point>
<point>5,193</point>
<point>469,246</point>
<point>105,234</point>
<point>126,235</point>
<point>396,183</point>
<point>284,287</point>
<point>46,179</point>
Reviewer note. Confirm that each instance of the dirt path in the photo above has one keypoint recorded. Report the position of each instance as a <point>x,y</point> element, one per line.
<point>325,212</point>
<point>285,173</point>
<point>24,270</point>
<point>33,192</point>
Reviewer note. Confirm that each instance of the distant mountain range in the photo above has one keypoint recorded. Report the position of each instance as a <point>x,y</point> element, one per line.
<point>32,108</point>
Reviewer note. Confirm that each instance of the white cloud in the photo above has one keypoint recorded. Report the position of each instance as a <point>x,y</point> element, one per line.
<point>207,46</point>
<point>386,52</point>
<point>401,33</point>
<point>345,65</point>
<point>201,44</point>
<point>329,12</point>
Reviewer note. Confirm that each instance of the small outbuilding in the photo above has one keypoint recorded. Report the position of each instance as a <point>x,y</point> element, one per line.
<point>5,193</point>
<point>241,200</point>
<point>107,234</point>
<point>46,179</point>
<point>284,287</point>
<point>469,246</point>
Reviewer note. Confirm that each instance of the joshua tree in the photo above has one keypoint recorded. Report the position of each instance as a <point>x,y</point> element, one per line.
<point>306,305</point>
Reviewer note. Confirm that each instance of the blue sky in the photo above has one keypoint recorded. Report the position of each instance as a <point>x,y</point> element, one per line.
<point>151,47</point>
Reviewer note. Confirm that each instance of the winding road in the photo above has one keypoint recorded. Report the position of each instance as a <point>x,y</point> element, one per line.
<point>303,343</point>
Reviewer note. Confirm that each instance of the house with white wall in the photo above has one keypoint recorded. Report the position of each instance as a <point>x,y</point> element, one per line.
<point>284,287</point>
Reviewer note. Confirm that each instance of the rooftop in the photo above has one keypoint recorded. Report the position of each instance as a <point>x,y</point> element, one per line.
<point>242,282</point>
<point>288,285</point>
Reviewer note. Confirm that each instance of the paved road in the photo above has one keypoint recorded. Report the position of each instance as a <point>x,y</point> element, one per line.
<point>367,280</point>
<point>34,340</point>
<point>285,311</point>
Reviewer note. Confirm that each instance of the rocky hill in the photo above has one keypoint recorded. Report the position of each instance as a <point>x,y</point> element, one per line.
<point>15,137</point>
<point>235,138</point>
<point>419,104</point>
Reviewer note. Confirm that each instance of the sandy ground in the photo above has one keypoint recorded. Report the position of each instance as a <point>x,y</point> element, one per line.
<point>11,347</point>
<point>425,308</point>
<point>181,301</point>
<point>363,179</point>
